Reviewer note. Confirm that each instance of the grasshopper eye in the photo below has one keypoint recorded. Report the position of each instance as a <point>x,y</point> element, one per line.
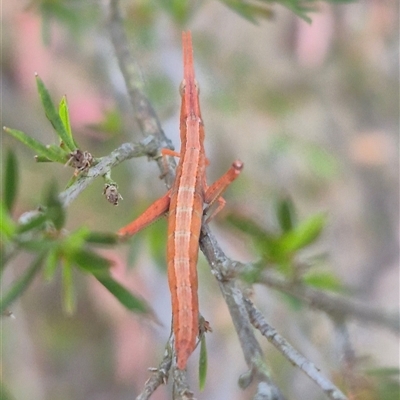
<point>182,87</point>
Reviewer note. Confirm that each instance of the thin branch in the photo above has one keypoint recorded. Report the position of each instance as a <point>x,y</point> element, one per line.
<point>338,307</point>
<point>348,358</point>
<point>150,127</point>
<point>159,375</point>
<point>104,165</point>
<point>181,389</point>
<point>242,316</point>
<point>143,111</point>
<point>235,300</point>
<point>259,322</point>
<point>145,115</point>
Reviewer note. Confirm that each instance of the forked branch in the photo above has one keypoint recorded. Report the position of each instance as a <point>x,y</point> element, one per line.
<point>259,322</point>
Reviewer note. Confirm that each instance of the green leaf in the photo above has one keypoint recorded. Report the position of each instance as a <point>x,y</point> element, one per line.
<point>90,261</point>
<point>53,116</point>
<point>304,234</point>
<point>7,225</point>
<point>101,238</point>
<point>249,11</point>
<point>36,220</point>
<point>180,10</point>
<point>42,150</point>
<point>21,284</point>
<point>203,363</point>
<point>54,209</point>
<point>322,280</point>
<point>10,180</point>
<point>123,295</point>
<point>69,303</point>
<point>51,263</point>
<point>41,159</point>
<point>37,245</point>
<point>286,214</point>
<point>298,8</point>
<point>266,243</point>
<point>63,112</point>
<point>58,150</point>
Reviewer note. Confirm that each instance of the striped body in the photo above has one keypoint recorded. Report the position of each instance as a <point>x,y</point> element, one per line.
<point>184,203</point>
<point>185,215</point>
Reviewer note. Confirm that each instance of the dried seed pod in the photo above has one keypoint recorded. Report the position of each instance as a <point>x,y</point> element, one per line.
<point>80,160</point>
<point>111,193</point>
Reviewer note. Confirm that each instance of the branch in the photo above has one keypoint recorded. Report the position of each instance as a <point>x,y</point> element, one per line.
<point>159,377</point>
<point>348,359</point>
<point>160,374</point>
<point>180,388</point>
<point>234,298</point>
<point>142,108</point>
<point>104,165</point>
<point>244,313</point>
<point>259,322</point>
<point>154,140</point>
<point>336,306</point>
<point>150,128</point>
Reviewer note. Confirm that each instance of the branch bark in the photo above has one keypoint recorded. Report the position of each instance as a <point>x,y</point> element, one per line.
<point>259,322</point>
<point>143,110</point>
<point>337,307</point>
<point>220,267</point>
<point>104,165</point>
<point>159,375</point>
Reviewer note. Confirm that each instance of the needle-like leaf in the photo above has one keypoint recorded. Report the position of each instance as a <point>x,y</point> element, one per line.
<point>53,116</point>
<point>21,284</point>
<point>68,295</point>
<point>7,225</point>
<point>123,295</point>
<point>10,180</point>
<point>42,150</point>
<point>89,261</point>
<point>63,112</point>
<point>54,209</point>
<point>203,363</point>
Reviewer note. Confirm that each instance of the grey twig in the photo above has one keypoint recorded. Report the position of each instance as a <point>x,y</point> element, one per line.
<point>145,115</point>
<point>143,110</point>
<point>159,375</point>
<point>338,307</point>
<point>234,298</point>
<point>259,322</point>
<point>181,390</point>
<point>180,387</point>
<point>104,165</point>
<point>348,359</point>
